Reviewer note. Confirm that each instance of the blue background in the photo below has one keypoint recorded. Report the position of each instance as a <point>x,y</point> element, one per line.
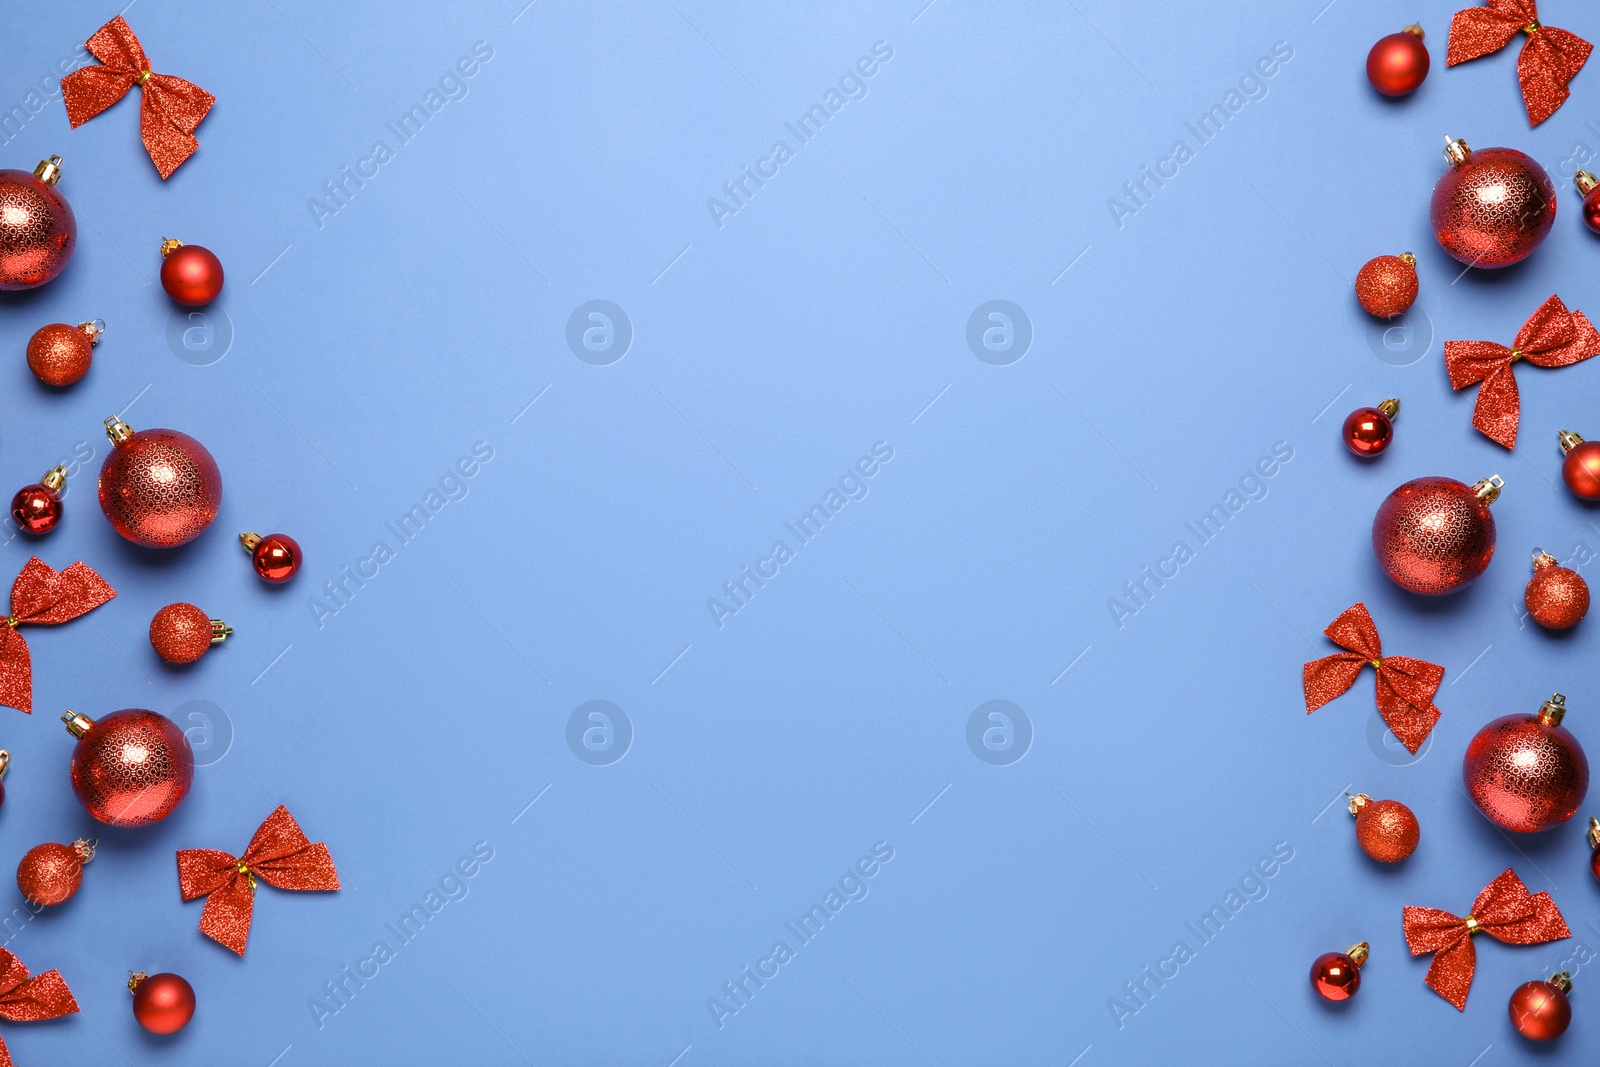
<point>361,349</point>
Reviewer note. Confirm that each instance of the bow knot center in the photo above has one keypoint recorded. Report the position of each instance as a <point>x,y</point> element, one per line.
<point>144,76</point>
<point>1532,28</point>
<point>1472,924</point>
<point>13,621</point>
<point>1516,354</point>
<point>244,869</point>
<point>1377,663</point>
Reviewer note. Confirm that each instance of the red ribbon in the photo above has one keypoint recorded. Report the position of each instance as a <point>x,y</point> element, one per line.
<point>1553,337</point>
<point>1404,687</point>
<point>1505,910</point>
<point>42,596</point>
<point>169,110</point>
<point>30,1000</point>
<point>1549,60</point>
<point>279,855</point>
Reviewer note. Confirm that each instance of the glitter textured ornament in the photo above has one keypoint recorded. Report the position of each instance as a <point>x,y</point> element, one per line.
<point>182,633</point>
<point>1550,58</point>
<point>1386,286</point>
<point>1505,910</point>
<point>1368,431</point>
<point>37,228</point>
<point>130,767</point>
<point>1435,535</point>
<point>191,275</point>
<point>1385,829</point>
<point>1493,207</point>
<point>1403,689</point>
<point>1581,467</point>
<point>36,509</point>
<point>60,355</point>
<point>1337,975</point>
<point>42,596</point>
<point>1527,772</point>
<point>51,873</point>
<point>1589,186</point>
<point>1539,1010</point>
<point>276,557</point>
<point>1557,597</point>
<point>159,488</point>
<point>30,1000</point>
<point>162,1003</point>
<point>1399,62</point>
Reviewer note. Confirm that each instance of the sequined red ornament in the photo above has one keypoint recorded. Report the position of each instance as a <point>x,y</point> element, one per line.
<point>60,355</point>
<point>51,873</point>
<point>1527,772</point>
<point>37,228</point>
<point>182,633</point>
<point>1581,467</point>
<point>1386,830</point>
<point>1550,57</point>
<point>130,767</point>
<point>159,488</point>
<point>1505,910</point>
<point>162,1003</point>
<point>1540,1010</point>
<point>1368,431</point>
<point>42,596</point>
<point>1557,597</point>
<point>1589,188</point>
<point>1552,337</point>
<point>276,557</point>
<point>1435,535</point>
<point>36,509</point>
<point>1404,687</point>
<point>1386,286</point>
<point>191,275</point>
<point>1337,975</point>
<point>1399,62</point>
<point>1493,207</point>
<point>30,1000</point>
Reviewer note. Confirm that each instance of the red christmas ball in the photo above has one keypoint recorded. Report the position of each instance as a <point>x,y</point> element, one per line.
<point>1435,535</point>
<point>182,633</point>
<point>51,873</point>
<point>1337,975</point>
<point>60,355</point>
<point>1539,1010</point>
<point>1367,431</point>
<point>37,229</point>
<point>191,275</point>
<point>276,557</point>
<point>1589,186</point>
<point>1527,772</point>
<point>131,767</point>
<point>1581,469</point>
<point>1386,830</point>
<point>1492,208</point>
<point>159,488</point>
<point>1386,286</point>
<point>1398,63</point>
<point>162,1003</point>
<point>1557,597</point>
<point>36,508</point>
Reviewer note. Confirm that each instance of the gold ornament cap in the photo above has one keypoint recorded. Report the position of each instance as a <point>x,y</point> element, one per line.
<point>1358,953</point>
<point>250,539</point>
<point>1456,150</point>
<point>54,478</point>
<point>219,631</point>
<point>48,170</point>
<point>77,725</point>
<point>1594,832</point>
<point>1562,981</point>
<point>1488,489</point>
<point>93,328</point>
<point>5,764</point>
<point>1585,181</point>
<point>134,978</point>
<point>1357,802</point>
<point>1553,710</point>
<point>85,849</point>
<point>169,245</point>
<point>117,430</point>
<point>1543,559</point>
<point>1414,30</point>
<point>1568,439</point>
<point>1391,406</point>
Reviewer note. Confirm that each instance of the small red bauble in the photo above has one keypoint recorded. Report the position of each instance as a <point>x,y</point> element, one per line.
<point>1398,63</point>
<point>1557,597</point>
<point>191,275</point>
<point>51,873</point>
<point>1367,431</point>
<point>1385,829</point>
<point>159,488</point>
<point>36,508</point>
<point>1435,535</point>
<point>60,355</point>
<point>37,229</point>
<point>131,767</point>
<point>1527,772</point>
<point>1539,1010</point>
<point>182,633</point>
<point>1492,208</point>
<point>276,557</point>
<point>162,1003</point>
<point>1337,975</point>
<point>1386,286</point>
<point>1581,469</point>
<point>1589,186</point>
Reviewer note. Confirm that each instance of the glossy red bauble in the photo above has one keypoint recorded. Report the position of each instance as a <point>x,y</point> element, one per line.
<point>182,633</point>
<point>1581,467</point>
<point>1557,597</point>
<point>162,1003</point>
<point>1337,975</point>
<point>1386,286</point>
<point>131,767</point>
<point>159,488</point>
<point>37,228</point>
<point>51,873</point>
<point>1435,535</point>
<point>1367,431</point>
<point>1386,830</point>
<point>1540,1010</point>
<point>1527,772</point>
<point>1493,207</point>
<point>191,275</point>
<point>276,557</point>
<point>1398,63</point>
<point>1589,186</point>
<point>36,509</point>
<point>60,355</point>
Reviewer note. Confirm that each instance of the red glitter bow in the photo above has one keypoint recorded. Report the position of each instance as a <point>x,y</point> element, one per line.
<point>1404,686</point>
<point>169,110</point>
<point>1549,60</point>
<point>279,855</point>
<point>43,597</point>
<point>1553,337</point>
<point>1505,910</point>
<point>30,1000</point>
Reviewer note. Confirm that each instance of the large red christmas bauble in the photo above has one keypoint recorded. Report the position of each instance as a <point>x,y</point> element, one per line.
<point>1337,975</point>
<point>191,275</point>
<point>159,488</point>
<point>162,1003</point>
<point>37,229</point>
<point>131,767</point>
<point>1492,208</point>
<point>51,873</point>
<point>1398,63</point>
<point>1527,772</point>
<point>1581,467</point>
<point>1435,535</point>
<point>1539,1010</point>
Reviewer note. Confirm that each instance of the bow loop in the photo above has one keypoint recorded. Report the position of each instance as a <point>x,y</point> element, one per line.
<point>1549,60</point>
<point>1404,687</point>
<point>26,1000</point>
<point>1505,910</point>
<point>42,596</point>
